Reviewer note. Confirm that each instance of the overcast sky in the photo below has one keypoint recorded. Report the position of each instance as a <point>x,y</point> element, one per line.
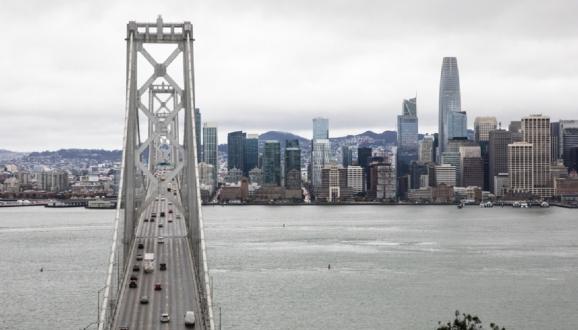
<point>274,65</point>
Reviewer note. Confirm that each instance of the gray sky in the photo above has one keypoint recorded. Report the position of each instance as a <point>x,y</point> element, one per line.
<point>267,64</point>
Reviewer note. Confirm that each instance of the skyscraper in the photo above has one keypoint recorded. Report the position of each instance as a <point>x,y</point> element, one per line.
<point>272,163</point>
<point>319,158</point>
<point>407,130</point>
<point>198,133</point>
<point>449,101</point>
<point>320,128</point>
<point>210,148</point>
<point>363,155</point>
<point>346,156</point>
<point>236,150</point>
<point>426,149</point>
<point>483,126</point>
<point>563,125</point>
<point>498,155</point>
<point>251,153</point>
<point>520,167</point>
<point>536,130</point>
<point>457,125</point>
<point>292,164</point>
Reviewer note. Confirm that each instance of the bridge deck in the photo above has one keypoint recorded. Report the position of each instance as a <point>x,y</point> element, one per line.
<point>179,289</point>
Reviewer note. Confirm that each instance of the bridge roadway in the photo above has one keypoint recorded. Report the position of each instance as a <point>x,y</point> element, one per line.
<point>179,288</point>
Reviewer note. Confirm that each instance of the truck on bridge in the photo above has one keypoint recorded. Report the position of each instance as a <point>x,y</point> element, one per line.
<point>149,262</point>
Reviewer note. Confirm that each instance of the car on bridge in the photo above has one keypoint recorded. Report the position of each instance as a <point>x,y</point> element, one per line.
<point>189,319</point>
<point>161,240</point>
<point>132,284</point>
<point>158,287</point>
<point>135,268</point>
<point>144,300</point>
<point>140,246</point>
<point>163,266</point>
<point>139,257</point>
<point>165,318</point>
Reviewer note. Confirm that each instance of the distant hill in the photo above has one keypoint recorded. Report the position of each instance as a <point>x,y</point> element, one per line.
<point>282,137</point>
<point>10,155</point>
<point>86,154</point>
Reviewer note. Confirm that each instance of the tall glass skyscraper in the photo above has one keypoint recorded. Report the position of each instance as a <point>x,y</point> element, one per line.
<point>320,128</point>
<point>449,101</point>
<point>251,153</point>
<point>210,147</point>
<point>407,145</point>
<point>272,163</point>
<point>292,164</point>
<point>236,150</point>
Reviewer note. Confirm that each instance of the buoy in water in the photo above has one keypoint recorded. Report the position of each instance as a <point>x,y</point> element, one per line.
<point>329,266</point>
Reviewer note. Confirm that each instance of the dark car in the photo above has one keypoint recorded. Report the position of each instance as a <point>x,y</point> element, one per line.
<point>170,211</point>
<point>158,287</point>
<point>163,266</point>
<point>132,284</point>
<point>135,268</point>
<point>140,246</point>
<point>133,278</point>
<point>146,220</point>
<point>139,257</point>
<point>162,214</point>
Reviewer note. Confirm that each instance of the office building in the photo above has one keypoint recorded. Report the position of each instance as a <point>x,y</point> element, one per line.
<point>382,179</point>
<point>292,164</point>
<point>355,179</point>
<point>453,158</point>
<point>521,167</point>
<point>498,155</point>
<point>449,102</point>
<point>346,156</point>
<point>320,128</point>
<point>319,159</point>
<point>445,174</point>
<point>483,126</point>
<point>426,149</point>
<point>555,141</point>
<point>251,153</point>
<point>272,163</point>
<point>363,156</point>
<point>536,130</point>
<point>333,184</point>
<point>562,126</point>
<point>53,181</point>
<point>570,141</point>
<point>407,132</point>
<point>210,145</point>
<point>472,172</point>
<point>236,150</point>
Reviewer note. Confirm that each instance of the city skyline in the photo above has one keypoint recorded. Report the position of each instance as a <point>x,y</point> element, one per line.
<point>67,90</point>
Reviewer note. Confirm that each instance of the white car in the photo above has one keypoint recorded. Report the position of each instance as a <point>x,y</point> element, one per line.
<point>165,318</point>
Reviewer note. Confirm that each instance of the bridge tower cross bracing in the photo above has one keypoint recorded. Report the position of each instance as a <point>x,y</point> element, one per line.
<point>169,107</point>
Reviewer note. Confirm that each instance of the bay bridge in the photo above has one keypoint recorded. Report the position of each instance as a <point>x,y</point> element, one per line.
<point>157,276</point>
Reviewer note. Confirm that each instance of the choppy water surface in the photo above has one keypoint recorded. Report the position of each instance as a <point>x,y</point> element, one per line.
<point>392,267</point>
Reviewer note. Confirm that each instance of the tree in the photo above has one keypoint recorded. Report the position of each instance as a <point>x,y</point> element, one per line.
<point>466,322</point>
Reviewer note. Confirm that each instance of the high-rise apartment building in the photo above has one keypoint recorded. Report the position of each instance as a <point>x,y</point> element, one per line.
<point>272,163</point>
<point>251,153</point>
<point>498,155</point>
<point>210,148</point>
<point>536,130</point>
<point>449,101</point>
<point>320,128</point>
<point>521,167</point>
<point>292,164</point>
<point>426,149</point>
<point>236,150</point>
<point>483,126</point>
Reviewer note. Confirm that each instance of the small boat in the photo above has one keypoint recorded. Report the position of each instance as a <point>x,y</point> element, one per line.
<point>460,206</point>
<point>524,205</point>
<point>517,204</point>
